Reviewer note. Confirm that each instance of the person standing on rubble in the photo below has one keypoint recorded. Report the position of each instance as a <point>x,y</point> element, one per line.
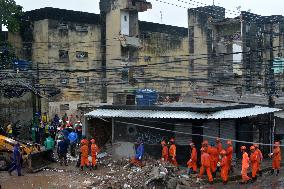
<point>205,145</point>
<point>205,166</point>
<point>16,160</point>
<point>259,160</point>
<point>245,166</point>
<point>139,153</point>
<point>276,158</point>
<point>219,145</point>
<point>229,152</point>
<point>173,152</point>
<point>165,151</point>
<point>214,158</point>
<point>254,163</point>
<point>94,153</point>
<point>84,155</point>
<point>224,167</point>
<point>192,162</point>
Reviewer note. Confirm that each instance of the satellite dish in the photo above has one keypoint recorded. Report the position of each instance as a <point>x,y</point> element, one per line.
<point>239,7</point>
<point>249,10</point>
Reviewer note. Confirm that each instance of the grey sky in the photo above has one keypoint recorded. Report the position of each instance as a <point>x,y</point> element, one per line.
<point>170,14</point>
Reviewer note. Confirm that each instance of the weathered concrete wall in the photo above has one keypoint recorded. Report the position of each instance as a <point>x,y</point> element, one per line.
<point>17,110</point>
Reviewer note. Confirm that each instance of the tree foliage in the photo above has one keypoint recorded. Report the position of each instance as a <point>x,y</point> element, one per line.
<point>10,13</point>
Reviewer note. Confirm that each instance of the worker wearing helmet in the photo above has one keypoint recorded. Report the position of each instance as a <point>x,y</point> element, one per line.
<point>254,162</point>
<point>276,158</point>
<point>214,158</point>
<point>172,152</point>
<point>245,165</point>
<point>94,153</point>
<point>229,152</point>
<point>84,154</point>
<point>224,167</point>
<point>165,151</point>
<point>260,158</point>
<point>62,149</point>
<point>205,165</point>
<point>192,162</point>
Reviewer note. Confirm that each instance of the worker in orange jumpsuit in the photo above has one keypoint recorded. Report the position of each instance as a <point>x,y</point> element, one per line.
<point>229,152</point>
<point>84,155</point>
<point>276,158</point>
<point>165,151</point>
<point>254,162</point>
<point>214,158</point>
<point>192,162</point>
<point>224,167</point>
<point>245,166</point>
<point>94,153</point>
<point>205,165</point>
<point>260,158</point>
<point>172,152</point>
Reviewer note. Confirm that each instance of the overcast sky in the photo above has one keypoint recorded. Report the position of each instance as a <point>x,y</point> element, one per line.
<point>171,15</point>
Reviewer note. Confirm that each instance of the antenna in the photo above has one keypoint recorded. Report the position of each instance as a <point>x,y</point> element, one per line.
<point>213,2</point>
<point>161,16</point>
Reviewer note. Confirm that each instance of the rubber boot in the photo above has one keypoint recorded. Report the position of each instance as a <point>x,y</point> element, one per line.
<point>272,172</point>
<point>82,168</point>
<point>214,174</point>
<point>278,171</point>
<point>95,167</point>
<point>260,173</point>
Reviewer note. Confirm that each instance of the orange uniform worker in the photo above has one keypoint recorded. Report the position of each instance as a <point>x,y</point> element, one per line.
<point>165,151</point>
<point>276,158</point>
<point>254,162</point>
<point>224,167</point>
<point>260,158</point>
<point>94,153</point>
<point>84,155</point>
<point>229,152</point>
<point>192,162</point>
<point>245,166</point>
<point>205,165</point>
<point>214,158</point>
<point>173,152</point>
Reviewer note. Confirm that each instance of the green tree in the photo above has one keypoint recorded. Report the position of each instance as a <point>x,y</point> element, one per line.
<point>10,13</point>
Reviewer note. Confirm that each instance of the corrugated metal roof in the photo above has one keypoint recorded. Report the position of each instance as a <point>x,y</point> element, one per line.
<point>235,113</point>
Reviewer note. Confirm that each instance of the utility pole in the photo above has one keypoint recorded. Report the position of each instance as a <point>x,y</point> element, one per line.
<point>271,87</point>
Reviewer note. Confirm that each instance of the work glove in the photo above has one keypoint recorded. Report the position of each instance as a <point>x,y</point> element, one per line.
<point>139,158</point>
<point>163,159</point>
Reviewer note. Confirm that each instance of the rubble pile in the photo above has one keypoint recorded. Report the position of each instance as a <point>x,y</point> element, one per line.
<point>120,174</point>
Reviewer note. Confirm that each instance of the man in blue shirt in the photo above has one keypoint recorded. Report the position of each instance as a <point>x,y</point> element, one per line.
<point>73,137</point>
<point>139,153</point>
<point>16,160</point>
<point>62,149</point>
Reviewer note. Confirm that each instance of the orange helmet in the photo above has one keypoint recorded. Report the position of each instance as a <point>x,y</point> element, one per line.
<point>252,148</point>
<point>163,142</point>
<point>218,139</point>
<point>202,149</point>
<point>93,140</point>
<point>229,142</point>
<point>172,140</point>
<point>223,152</point>
<point>243,148</point>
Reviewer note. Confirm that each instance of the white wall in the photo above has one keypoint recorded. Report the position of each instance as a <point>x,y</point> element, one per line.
<point>124,23</point>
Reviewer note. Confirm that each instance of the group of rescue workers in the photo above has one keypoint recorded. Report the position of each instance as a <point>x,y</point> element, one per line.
<point>214,157</point>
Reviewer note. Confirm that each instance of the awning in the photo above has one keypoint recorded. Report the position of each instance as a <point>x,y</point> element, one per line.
<point>279,114</point>
<point>224,114</point>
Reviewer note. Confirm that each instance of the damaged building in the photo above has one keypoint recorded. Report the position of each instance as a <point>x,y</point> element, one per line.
<point>92,58</point>
<point>235,55</point>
